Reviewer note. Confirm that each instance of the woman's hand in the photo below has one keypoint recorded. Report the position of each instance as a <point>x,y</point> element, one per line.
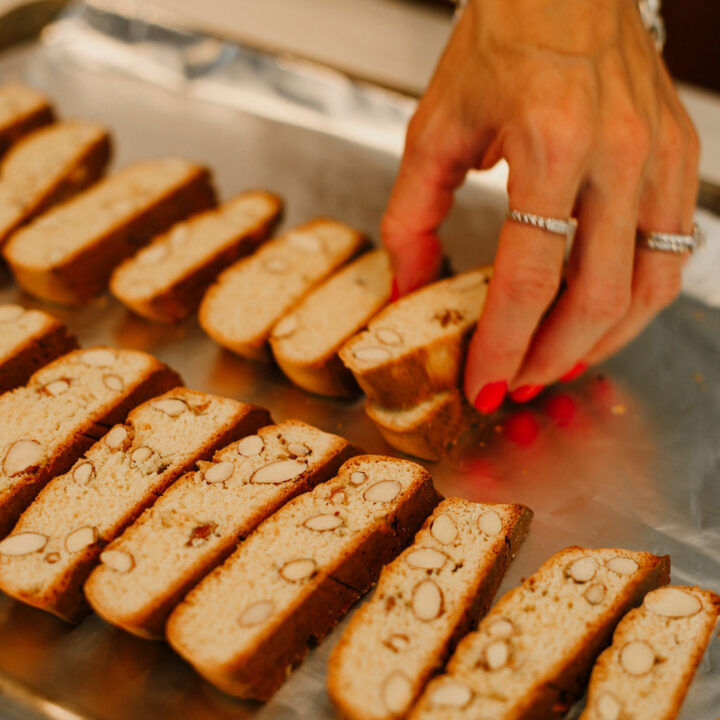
<point>573,94</point>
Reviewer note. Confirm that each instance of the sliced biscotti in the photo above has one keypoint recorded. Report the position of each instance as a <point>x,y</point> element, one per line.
<point>416,346</point>
<point>532,653</point>
<point>67,254</point>
<point>166,280</point>
<point>306,341</point>
<point>426,599</point>
<point>426,430</point>
<point>64,408</point>
<point>250,297</point>
<point>656,649</point>
<point>29,339</point>
<point>286,586</point>
<point>22,109</point>
<point>202,517</point>
<point>52,549</point>
<point>47,167</point>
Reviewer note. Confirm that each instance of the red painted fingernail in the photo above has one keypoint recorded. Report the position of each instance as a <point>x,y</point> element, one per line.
<point>577,371</point>
<point>525,393</point>
<point>490,397</point>
<point>394,291</point>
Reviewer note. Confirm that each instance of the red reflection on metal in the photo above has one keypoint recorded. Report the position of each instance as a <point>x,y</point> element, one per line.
<point>561,408</point>
<point>522,428</point>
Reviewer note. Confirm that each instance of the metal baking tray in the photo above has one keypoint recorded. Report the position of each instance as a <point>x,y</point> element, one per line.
<point>627,456</point>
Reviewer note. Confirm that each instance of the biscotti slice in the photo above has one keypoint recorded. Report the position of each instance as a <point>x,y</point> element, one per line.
<point>252,619</point>
<point>166,280</point>
<point>656,649</point>
<point>251,296</point>
<point>426,599</point>
<point>532,653</point>
<point>64,408</point>
<point>52,549</point>
<point>22,109</point>
<point>426,430</point>
<point>306,341</point>
<point>67,254</point>
<point>47,167</point>
<point>416,346</point>
<point>29,339</point>
<point>198,522</point>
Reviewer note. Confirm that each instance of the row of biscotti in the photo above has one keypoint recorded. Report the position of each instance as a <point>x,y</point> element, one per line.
<point>43,162</point>
<point>532,654</point>
<point>273,295</point>
<point>71,505</point>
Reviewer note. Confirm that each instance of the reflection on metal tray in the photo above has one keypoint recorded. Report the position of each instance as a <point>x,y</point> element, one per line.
<point>627,456</point>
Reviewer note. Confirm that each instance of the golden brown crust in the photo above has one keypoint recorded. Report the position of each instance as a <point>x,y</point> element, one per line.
<point>601,678</point>
<point>87,169</point>
<point>24,124</point>
<point>552,698</point>
<point>478,599</point>
<point>54,341</point>
<point>260,670</point>
<point>183,297</point>
<point>14,501</point>
<point>65,598</point>
<point>329,378</point>
<point>258,347</point>
<point>434,434</point>
<point>150,622</point>
<point>85,274</point>
<point>407,380</point>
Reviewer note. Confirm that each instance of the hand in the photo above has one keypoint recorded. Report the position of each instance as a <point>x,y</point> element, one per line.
<point>573,94</point>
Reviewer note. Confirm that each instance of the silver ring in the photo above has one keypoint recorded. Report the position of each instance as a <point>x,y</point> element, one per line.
<point>559,226</point>
<point>673,242</point>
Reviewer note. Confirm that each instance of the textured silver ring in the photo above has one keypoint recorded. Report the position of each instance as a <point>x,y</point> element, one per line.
<point>559,226</point>
<point>673,242</point>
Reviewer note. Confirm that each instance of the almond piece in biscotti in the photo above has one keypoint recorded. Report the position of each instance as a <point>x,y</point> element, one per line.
<point>251,445</point>
<point>278,472</point>
<point>497,654</point>
<point>444,530</point>
<point>23,543</point>
<point>583,569</point>
<point>637,657</point>
<point>672,603</point>
<point>323,522</point>
<point>427,601</point>
<point>452,694</point>
<point>22,455</point>
<point>117,560</point>
<point>397,692</point>
<point>372,354</point>
<point>426,559</point>
<point>117,437</point>
<point>622,565</point>
<point>171,406</point>
<point>80,539</point>
<point>297,570</point>
<point>256,613</point>
<point>489,523</point>
<point>383,491</point>
<point>595,593</point>
<point>83,473</point>
<point>219,472</point>
<point>99,357</point>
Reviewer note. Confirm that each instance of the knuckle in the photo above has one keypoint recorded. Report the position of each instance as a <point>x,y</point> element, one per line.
<point>659,292</point>
<point>630,136</point>
<point>528,285</point>
<point>604,302</point>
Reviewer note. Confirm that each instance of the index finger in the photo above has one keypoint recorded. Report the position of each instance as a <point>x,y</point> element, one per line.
<point>431,170</point>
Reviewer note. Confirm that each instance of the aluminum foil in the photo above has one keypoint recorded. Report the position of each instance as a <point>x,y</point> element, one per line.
<point>628,456</point>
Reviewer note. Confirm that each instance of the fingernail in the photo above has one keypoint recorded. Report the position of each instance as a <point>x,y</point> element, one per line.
<point>394,291</point>
<point>525,393</point>
<point>577,371</point>
<point>490,397</point>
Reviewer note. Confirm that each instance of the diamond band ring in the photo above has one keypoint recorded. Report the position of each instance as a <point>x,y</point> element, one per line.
<point>559,226</point>
<point>673,242</point>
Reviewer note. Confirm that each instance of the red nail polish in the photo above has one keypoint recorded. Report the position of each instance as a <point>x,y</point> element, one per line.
<point>394,291</point>
<point>525,393</point>
<point>577,371</point>
<point>490,397</point>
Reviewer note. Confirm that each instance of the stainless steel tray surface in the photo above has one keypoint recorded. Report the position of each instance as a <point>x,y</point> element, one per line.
<point>627,456</point>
